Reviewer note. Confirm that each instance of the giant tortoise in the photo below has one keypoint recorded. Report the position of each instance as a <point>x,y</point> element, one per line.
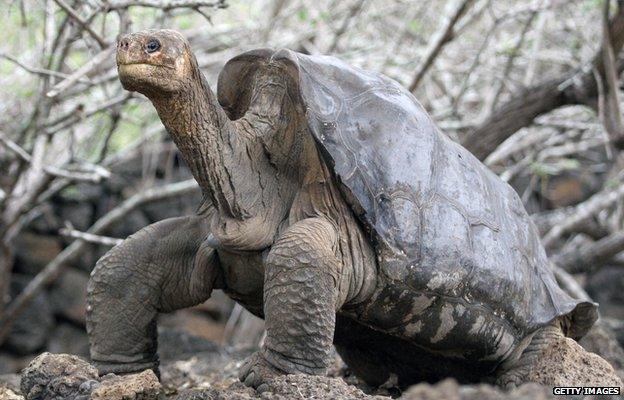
<point>335,209</point>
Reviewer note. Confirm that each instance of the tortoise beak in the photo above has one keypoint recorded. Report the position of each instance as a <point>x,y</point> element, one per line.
<point>128,50</point>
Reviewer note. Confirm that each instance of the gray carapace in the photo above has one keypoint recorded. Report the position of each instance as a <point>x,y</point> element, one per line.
<point>336,210</point>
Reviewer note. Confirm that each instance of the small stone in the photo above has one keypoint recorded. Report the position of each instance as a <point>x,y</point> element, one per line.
<point>8,394</point>
<point>51,376</point>
<point>143,386</point>
<point>87,387</point>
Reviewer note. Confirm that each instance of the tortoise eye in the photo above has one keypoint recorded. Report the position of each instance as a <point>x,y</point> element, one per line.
<point>152,46</point>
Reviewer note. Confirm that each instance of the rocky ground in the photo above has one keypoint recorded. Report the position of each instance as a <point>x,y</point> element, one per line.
<point>209,376</point>
<point>202,370</point>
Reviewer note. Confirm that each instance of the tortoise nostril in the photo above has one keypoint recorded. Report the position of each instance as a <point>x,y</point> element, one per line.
<point>124,44</point>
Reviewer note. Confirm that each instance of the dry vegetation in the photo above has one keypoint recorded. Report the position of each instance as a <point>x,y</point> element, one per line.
<point>531,87</point>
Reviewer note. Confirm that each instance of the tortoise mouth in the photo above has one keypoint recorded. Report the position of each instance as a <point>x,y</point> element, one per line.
<point>141,64</point>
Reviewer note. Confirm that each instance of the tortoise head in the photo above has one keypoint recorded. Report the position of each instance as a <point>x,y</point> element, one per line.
<point>155,62</point>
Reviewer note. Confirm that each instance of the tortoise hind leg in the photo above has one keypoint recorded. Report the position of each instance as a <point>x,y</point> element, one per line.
<point>516,371</point>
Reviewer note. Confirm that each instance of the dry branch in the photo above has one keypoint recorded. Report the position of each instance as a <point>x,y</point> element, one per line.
<point>576,87</point>
<point>162,4</point>
<point>608,84</point>
<point>33,70</point>
<point>569,284</point>
<point>591,256</point>
<point>511,59</point>
<point>438,41</point>
<point>89,237</point>
<point>94,63</point>
<point>353,11</point>
<point>82,22</point>
<point>96,176</point>
<point>582,212</point>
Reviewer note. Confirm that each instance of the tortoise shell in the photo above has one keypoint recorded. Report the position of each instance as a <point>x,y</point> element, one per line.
<point>452,239</point>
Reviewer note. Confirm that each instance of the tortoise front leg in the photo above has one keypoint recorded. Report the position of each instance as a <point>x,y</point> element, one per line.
<point>163,267</point>
<point>300,303</point>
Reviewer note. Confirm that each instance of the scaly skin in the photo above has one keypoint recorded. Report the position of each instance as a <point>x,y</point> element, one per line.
<point>163,267</point>
<point>300,297</point>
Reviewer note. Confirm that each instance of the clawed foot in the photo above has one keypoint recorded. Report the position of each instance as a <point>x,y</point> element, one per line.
<point>257,371</point>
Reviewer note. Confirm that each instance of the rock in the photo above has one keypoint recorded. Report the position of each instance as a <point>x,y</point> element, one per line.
<point>63,376</point>
<point>157,157</point>
<point>449,389</point>
<point>78,214</point>
<point>602,340</point>
<point>31,329</point>
<point>13,364</point>
<point>570,187</point>
<point>196,395</point>
<point>566,363</point>
<point>143,386</point>
<point>80,193</point>
<point>89,257</point>
<point>214,375</point>
<point>68,296</point>
<point>52,376</point>
<point>34,251</point>
<point>8,394</point>
<point>248,331</point>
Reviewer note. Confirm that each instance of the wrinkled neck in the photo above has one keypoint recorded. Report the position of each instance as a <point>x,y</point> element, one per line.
<point>209,144</point>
